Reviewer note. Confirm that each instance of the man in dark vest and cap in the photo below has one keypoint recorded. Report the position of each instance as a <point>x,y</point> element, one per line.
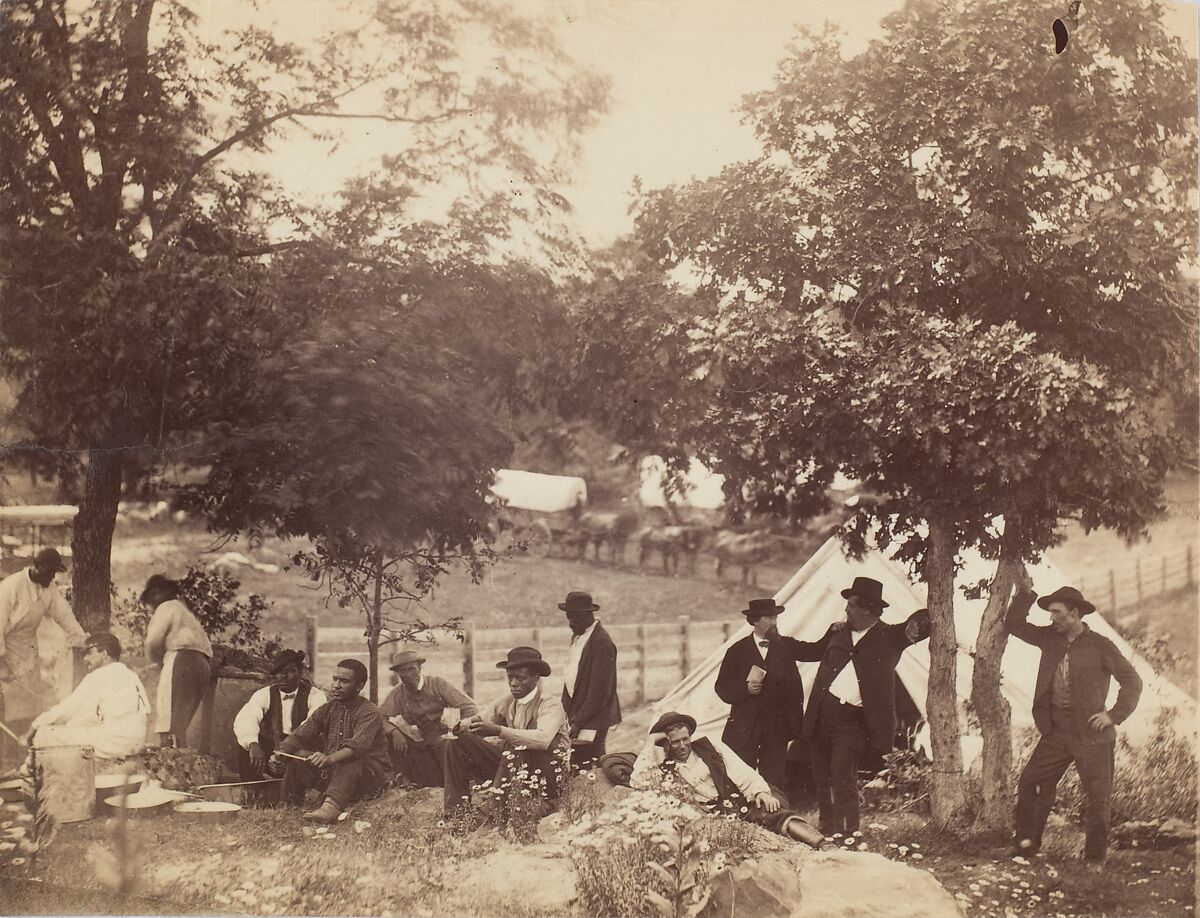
<point>758,679</point>
<point>1069,709</point>
<point>853,704</point>
<point>273,712</point>
<point>590,681</point>
<point>710,774</point>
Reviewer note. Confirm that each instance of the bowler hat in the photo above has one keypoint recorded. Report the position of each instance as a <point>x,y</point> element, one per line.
<point>49,560</point>
<point>529,657</point>
<point>579,602</point>
<point>672,719</point>
<point>158,583</point>
<point>868,590</point>
<point>404,657</point>
<point>1069,595</point>
<point>286,658</point>
<point>761,607</point>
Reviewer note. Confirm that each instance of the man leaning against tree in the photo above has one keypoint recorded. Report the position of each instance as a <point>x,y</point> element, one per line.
<point>1069,700</point>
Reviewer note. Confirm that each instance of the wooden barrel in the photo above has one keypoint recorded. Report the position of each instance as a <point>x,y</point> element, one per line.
<point>68,782</point>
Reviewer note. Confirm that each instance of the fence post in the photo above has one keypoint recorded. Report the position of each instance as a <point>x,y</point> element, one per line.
<point>1191,576</point>
<point>1112,591</point>
<point>469,658</point>
<point>1164,574</point>
<point>310,643</point>
<point>1137,575</point>
<point>684,654</point>
<point>726,628</point>
<point>537,637</point>
<point>641,664</point>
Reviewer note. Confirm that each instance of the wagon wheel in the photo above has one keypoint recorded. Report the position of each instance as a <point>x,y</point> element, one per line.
<point>536,537</point>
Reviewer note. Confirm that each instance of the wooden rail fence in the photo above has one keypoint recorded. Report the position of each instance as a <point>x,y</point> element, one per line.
<point>1118,591</point>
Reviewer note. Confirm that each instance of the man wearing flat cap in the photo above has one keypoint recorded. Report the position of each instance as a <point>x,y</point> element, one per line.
<point>413,713</point>
<point>26,598</point>
<point>759,681</point>
<point>590,681</point>
<point>1069,699</point>
<point>273,712</point>
<point>520,739</point>
<point>853,705</point>
<point>710,774</point>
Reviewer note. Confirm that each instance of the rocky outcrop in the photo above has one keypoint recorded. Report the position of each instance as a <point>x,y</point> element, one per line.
<point>828,884</point>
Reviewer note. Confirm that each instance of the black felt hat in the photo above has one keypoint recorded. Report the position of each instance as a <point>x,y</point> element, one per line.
<point>1069,595</point>
<point>870,591</point>
<point>757,608</point>
<point>672,719</point>
<point>525,656</point>
<point>579,602</point>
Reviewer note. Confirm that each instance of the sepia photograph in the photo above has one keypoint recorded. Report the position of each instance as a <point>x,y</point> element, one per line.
<point>599,458</point>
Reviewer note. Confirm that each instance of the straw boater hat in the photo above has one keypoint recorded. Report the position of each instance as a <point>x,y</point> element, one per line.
<point>1069,595</point>
<point>404,657</point>
<point>530,657</point>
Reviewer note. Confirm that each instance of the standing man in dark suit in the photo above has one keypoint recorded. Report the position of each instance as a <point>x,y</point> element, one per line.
<point>767,712</point>
<point>1069,710</point>
<point>853,706</point>
<point>589,681</point>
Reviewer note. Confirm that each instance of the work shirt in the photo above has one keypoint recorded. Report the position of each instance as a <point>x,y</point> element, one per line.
<point>248,722</point>
<point>536,721</point>
<point>111,698</point>
<point>173,627</point>
<point>1060,687</point>
<point>23,605</point>
<point>845,683</point>
<point>578,642</point>
<point>423,707</point>
<point>355,724</point>
<point>647,773</point>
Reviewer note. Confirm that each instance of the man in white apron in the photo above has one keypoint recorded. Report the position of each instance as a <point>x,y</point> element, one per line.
<point>26,599</point>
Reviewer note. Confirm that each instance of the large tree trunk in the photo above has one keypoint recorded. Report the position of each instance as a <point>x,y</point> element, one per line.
<point>91,543</point>
<point>995,717</point>
<point>947,795</point>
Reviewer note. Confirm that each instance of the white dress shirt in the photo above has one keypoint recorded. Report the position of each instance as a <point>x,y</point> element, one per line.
<point>693,772</point>
<point>762,645</point>
<point>845,684</point>
<point>571,673</point>
<point>249,719</point>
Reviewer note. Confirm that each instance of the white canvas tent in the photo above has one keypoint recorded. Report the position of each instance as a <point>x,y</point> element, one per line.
<point>702,489</point>
<point>523,490</point>
<point>812,600</point>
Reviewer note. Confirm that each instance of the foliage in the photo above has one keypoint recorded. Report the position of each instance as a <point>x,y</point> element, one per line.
<point>146,240</point>
<point>614,881</point>
<point>232,624</point>
<point>902,783</point>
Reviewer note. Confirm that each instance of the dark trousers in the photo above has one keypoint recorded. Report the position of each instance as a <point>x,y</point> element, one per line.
<point>1047,764</point>
<point>419,764</point>
<point>344,783</point>
<point>840,741</point>
<point>765,748</point>
<point>470,759</point>
<point>584,756</point>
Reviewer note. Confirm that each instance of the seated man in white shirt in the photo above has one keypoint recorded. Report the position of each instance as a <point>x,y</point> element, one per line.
<point>707,772</point>
<point>108,710</point>
<point>521,739</point>
<point>273,712</point>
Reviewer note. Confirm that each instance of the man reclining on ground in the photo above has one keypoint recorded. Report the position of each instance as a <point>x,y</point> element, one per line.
<point>709,773</point>
<point>351,761</point>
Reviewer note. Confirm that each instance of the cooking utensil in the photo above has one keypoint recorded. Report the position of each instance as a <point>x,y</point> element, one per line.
<point>243,792</point>
<point>207,811</point>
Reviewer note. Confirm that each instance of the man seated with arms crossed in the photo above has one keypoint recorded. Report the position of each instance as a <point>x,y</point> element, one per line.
<point>273,712</point>
<point>351,761</point>
<point>710,774</point>
<point>521,736</point>
<point>107,711</point>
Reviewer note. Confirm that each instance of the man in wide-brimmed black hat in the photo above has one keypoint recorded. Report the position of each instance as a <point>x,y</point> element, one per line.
<point>709,773</point>
<point>520,742</point>
<point>589,680</point>
<point>273,712</point>
<point>1069,710</point>
<point>413,713</point>
<point>759,681</point>
<point>853,704</point>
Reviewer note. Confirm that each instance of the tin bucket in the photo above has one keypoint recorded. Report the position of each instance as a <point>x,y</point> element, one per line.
<point>68,782</point>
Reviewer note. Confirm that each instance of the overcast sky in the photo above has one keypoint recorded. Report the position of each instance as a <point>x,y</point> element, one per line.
<point>679,69</point>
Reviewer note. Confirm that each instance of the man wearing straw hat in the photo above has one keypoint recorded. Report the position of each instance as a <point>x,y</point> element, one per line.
<point>1069,700</point>
<point>413,713</point>
<point>520,742</point>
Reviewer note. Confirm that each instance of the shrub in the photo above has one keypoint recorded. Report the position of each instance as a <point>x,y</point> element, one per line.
<point>233,625</point>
